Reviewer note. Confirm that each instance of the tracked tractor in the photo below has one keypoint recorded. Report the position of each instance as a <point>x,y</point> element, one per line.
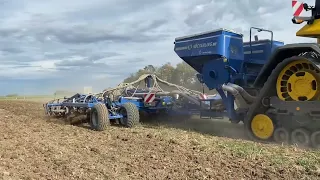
<point>274,89</point>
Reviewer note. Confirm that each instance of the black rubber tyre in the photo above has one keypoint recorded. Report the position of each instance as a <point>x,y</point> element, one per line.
<point>281,135</point>
<point>99,117</point>
<point>130,114</point>
<point>315,139</point>
<point>300,137</point>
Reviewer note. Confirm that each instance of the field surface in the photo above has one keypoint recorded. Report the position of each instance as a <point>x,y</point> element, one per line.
<point>33,147</point>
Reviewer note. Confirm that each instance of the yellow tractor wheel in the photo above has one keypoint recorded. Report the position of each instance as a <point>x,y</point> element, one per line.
<point>298,81</point>
<point>262,126</point>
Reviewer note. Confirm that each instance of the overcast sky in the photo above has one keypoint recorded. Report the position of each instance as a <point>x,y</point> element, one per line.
<point>48,45</point>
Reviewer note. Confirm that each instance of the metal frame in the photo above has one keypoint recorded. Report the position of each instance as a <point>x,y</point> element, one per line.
<point>260,30</point>
<point>75,103</point>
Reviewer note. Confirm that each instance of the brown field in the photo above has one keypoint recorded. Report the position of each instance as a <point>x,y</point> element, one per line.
<point>33,147</point>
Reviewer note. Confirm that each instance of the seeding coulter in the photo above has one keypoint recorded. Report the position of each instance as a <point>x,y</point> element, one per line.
<point>275,87</point>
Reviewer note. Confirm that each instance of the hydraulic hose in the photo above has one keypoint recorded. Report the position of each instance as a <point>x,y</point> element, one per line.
<point>249,98</point>
<point>238,97</point>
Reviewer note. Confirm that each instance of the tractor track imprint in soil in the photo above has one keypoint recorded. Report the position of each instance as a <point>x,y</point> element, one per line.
<point>35,148</point>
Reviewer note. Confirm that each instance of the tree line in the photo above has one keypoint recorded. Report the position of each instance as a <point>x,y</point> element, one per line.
<point>182,74</point>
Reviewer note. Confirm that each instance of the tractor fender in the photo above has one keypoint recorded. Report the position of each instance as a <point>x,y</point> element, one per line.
<point>279,55</point>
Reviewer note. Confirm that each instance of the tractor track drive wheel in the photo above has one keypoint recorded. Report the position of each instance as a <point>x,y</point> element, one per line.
<point>290,90</point>
<point>298,81</point>
<point>99,117</point>
<point>130,114</point>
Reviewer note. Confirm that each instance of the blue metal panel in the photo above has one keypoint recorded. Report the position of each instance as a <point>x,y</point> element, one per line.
<point>211,43</point>
<point>198,46</point>
<point>123,100</point>
<point>261,50</point>
<point>228,101</point>
<point>207,54</point>
<point>161,103</point>
<point>215,74</point>
<point>117,116</point>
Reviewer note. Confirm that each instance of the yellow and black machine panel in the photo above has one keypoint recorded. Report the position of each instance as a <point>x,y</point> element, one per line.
<point>287,108</point>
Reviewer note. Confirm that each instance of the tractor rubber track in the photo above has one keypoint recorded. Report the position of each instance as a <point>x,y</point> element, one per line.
<point>269,90</point>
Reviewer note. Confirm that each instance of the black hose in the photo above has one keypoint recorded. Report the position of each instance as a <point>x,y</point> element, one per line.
<point>238,97</point>
<point>243,93</point>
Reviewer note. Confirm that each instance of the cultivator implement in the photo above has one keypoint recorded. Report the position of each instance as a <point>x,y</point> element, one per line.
<point>88,108</point>
<point>128,102</point>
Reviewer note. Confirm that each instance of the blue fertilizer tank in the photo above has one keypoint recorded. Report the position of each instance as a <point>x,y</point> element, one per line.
<point>221,56</point>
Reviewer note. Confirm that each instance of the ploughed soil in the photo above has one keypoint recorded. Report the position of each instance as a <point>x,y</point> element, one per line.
<point>33,147</point>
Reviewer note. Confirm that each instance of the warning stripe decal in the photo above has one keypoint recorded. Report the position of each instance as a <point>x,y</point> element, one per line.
<point>148,98</point>
<point>297,8</point>
<point>203,96</point>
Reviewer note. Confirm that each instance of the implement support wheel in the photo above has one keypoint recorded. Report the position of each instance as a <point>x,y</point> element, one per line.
<point>99,117</point>
<point>300,137</point>
<point>130,114</point>
<point>262,127</point>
